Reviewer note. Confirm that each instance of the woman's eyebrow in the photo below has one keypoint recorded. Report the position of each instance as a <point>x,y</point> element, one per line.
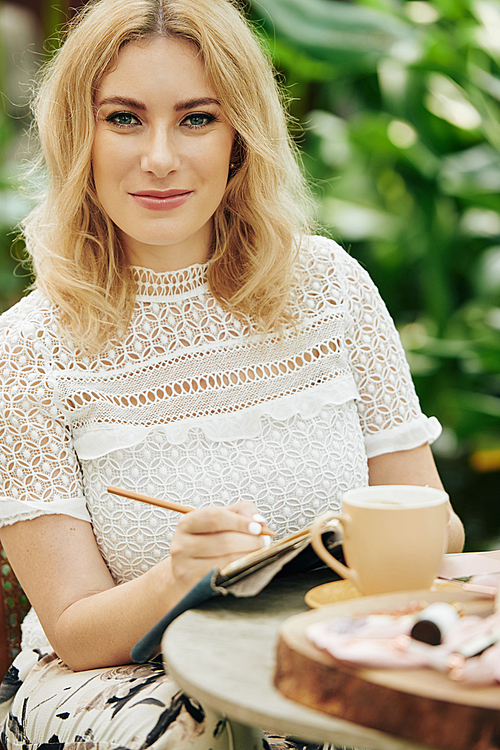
<point>126,101</point>
<point>123,101</point>
<point>193,103</point>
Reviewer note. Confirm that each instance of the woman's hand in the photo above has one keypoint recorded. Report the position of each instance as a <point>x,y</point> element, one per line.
<point>210,537</point>
<point>90,621</point>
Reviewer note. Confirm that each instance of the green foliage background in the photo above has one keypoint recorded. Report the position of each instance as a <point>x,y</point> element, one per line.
<point>397,112</point>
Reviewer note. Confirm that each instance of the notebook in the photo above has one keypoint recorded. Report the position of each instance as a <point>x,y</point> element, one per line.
<point>246,577</point>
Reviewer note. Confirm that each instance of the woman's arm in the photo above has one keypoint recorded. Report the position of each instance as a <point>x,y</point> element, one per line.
<point>89,621</point>
<point>416,467</point>
<point>388,404</point>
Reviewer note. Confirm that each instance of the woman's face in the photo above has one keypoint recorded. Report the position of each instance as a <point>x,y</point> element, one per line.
<point>161,153</point>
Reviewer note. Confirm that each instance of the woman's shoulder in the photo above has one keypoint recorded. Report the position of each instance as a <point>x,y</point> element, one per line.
<point>317,249</point>
<point>322,257</point>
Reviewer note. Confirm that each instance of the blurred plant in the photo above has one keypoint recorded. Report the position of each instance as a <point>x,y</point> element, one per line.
<point>14,122</point>
<point>12,207</point>
<point>399,104</point>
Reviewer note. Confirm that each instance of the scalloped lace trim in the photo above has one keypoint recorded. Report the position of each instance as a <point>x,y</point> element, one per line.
<point>12,510</point>
<point>244,424</point>
<point>403,437</point>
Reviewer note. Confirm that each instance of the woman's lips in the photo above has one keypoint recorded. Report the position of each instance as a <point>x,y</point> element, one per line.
<point>161,201</point>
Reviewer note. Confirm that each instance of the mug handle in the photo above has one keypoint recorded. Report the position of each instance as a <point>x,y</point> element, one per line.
<point>322,552</point>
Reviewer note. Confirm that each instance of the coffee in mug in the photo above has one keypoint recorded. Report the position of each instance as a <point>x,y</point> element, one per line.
<point>394,537</point>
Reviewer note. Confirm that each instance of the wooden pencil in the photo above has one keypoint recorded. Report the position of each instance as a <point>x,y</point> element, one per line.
<point>131,495</point>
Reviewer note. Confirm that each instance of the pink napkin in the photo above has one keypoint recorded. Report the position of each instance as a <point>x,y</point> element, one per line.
<point>468,564</point>
<point>368,641</point>
<point>383,641</point>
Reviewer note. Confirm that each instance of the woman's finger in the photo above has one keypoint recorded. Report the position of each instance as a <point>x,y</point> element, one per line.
<point>210,537</point>
<point>244,509</point>
<point>216,545</point>
<point>250,510</point>
<point>211,520</point>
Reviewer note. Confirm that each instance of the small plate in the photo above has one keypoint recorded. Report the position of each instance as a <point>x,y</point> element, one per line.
<point>330,593</point>
<point>342,591</point>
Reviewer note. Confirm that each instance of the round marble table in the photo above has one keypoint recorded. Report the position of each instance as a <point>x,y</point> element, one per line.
<point>223,654</point>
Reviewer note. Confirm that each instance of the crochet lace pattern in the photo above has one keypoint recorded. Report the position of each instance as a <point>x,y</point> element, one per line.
<point>196,406</point>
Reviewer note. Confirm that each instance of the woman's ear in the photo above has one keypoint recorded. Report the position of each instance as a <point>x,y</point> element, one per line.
<point>237,155</point>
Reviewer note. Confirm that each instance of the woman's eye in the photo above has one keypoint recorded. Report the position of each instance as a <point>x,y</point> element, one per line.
<point>198,120</point>
<point>122,119</point>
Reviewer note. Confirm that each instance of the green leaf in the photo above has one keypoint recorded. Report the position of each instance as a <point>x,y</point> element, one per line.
<point>341,33</point>
<point>479,402</point>
<point>471,172</point>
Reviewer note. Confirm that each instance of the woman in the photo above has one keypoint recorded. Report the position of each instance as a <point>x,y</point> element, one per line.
<point>185,339</point>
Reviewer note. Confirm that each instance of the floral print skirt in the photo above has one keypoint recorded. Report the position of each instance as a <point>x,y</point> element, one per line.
<point>44,705</point>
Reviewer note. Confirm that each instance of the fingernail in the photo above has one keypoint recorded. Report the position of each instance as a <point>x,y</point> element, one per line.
<point>257,517</point>
<point>254,528</point>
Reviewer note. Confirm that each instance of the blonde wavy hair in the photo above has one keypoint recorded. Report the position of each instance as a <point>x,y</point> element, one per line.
<point>77,257</point>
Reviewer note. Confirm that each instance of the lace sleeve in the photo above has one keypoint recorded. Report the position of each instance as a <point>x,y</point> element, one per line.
<point>39,471</point>
<point>389,409</point>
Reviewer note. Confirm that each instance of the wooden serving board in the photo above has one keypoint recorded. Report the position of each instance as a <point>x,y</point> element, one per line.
<point>421,705</point>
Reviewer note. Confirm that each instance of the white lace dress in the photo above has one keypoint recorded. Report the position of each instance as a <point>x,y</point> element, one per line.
<point>195,407</point>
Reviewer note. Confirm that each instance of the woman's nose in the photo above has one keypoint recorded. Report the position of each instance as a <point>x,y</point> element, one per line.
<point>160,155</point>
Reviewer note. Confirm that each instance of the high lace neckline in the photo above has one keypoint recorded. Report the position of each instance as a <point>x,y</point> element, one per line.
<point>185,281</point>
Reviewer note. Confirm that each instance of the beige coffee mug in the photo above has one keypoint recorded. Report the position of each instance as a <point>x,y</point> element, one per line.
<point>394,537</point>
